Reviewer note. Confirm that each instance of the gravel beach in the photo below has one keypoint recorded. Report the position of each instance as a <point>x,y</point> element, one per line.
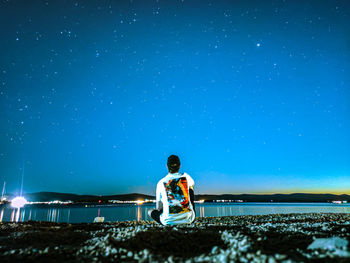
<point>263,238</point>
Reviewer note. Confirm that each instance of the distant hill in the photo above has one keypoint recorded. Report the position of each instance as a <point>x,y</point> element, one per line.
<point>51,196</point>
<point>297,197</point>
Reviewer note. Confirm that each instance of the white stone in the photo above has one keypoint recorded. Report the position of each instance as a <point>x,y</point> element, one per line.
<point>332,243</point>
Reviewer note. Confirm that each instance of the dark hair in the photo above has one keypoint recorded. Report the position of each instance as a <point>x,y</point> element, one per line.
<point>173,164</point>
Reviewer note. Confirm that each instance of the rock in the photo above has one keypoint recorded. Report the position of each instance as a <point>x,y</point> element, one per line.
<point>108,251</point>
<point>332,243</point>
<point>280,257</point>
<point>214,250</point>
<point>222,258</point>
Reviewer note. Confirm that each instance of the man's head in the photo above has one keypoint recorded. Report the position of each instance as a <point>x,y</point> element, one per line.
<point>173,164</point>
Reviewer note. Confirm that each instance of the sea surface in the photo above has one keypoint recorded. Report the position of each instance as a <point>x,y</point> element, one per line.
<point>80,214</point>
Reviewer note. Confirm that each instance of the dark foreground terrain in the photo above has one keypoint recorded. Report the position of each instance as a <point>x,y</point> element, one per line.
<point>264,238</point>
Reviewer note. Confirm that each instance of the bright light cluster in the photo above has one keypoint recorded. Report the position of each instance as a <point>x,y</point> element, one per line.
<point>18,202</point>
<point>50,203</point>
<point>339,202</point>
<point>138,202</point>
<point>228,201</point>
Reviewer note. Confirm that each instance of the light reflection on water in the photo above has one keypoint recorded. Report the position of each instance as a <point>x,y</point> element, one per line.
<point>80,214</point>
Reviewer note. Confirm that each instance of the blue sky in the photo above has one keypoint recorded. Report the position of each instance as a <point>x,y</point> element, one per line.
<point>252,95</point>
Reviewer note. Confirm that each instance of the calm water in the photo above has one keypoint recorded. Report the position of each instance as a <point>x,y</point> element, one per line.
<point>139,212</point>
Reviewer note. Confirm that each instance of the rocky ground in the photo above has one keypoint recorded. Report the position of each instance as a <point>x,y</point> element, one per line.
<point>263,238</point>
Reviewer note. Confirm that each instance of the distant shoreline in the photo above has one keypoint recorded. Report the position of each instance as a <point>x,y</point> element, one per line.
<point>101,205</point>
<point>136,197</point>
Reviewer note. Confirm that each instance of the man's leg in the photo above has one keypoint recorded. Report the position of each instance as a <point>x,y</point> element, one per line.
<point>155,215</point>
<point>192,200</point>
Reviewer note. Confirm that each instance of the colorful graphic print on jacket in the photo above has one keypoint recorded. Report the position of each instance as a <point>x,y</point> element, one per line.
<point>177,194</point>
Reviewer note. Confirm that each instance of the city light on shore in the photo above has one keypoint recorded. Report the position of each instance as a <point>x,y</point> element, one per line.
<point>18,202</point>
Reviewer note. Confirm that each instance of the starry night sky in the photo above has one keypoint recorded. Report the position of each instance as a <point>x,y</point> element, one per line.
<point>254,96</point>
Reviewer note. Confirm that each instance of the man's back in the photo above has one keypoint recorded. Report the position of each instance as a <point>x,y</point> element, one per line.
<point>174,192</point>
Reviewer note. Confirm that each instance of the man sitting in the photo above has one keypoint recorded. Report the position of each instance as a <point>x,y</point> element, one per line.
<point>175,196</point>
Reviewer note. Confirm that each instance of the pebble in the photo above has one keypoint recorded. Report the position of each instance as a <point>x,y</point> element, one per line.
<point>280,257</point>
<point>214,250</point>
<point>272,260</point>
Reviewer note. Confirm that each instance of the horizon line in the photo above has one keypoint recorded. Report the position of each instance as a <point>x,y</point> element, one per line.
<point>269,193</point>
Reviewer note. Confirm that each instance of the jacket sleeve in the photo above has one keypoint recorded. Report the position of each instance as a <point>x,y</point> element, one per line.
<point>189,180</point>
<point>159,191</point>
